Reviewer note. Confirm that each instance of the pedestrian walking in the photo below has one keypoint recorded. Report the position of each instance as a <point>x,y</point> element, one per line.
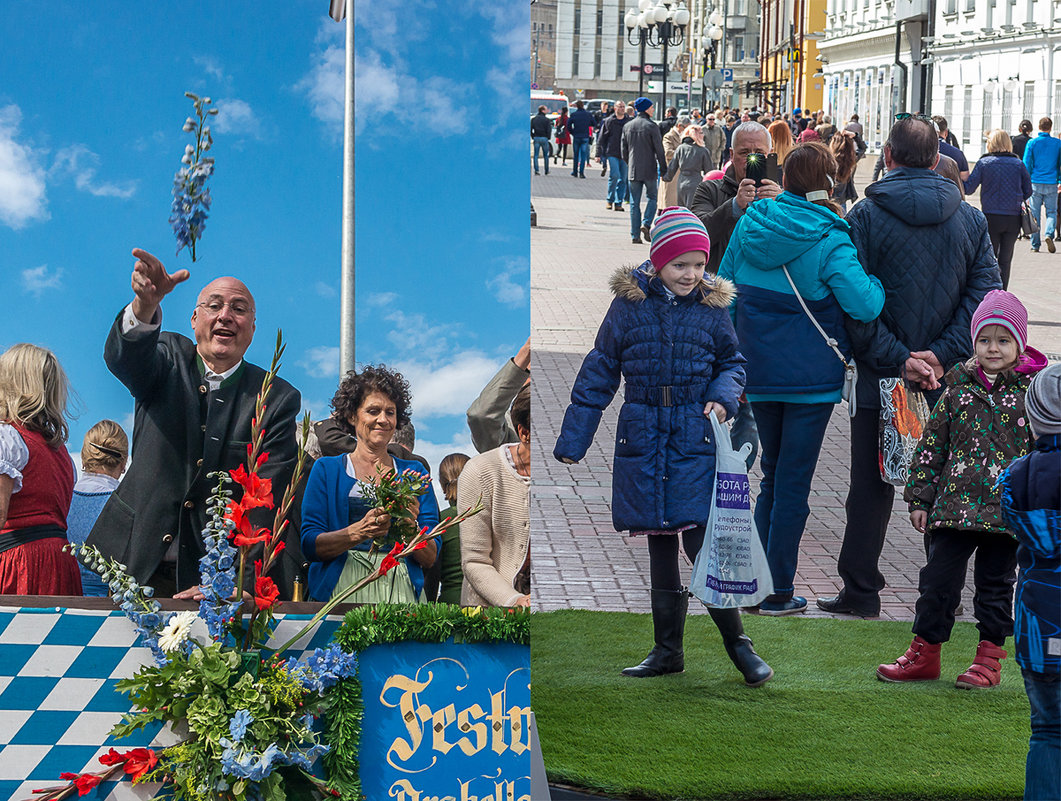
<point>540,130</point>
<point>976,429</point>
<point>610,153</point>
<point>672,139</point>
<point>1031,506</point>
<point>580,126</point>
<point>1004,185</point>
<point>669,335</point>
<point>642,150</point>
<point>933,256</point>
<point>794,377</point>
<point>714,140</point>
<point>691,160</point>
<point>1024,135</point>
<point>563,138</point>
<point>1042,157</point>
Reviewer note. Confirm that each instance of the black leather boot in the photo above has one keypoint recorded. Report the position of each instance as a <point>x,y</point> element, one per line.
<point>668,623</point>
<point>739,647</point>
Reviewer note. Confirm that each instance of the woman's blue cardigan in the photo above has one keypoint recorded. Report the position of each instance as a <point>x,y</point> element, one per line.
<point>326,507</point>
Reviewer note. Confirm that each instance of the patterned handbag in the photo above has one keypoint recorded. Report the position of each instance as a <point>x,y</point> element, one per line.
<point>903,414</point>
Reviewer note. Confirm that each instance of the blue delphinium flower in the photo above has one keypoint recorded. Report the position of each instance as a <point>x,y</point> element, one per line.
<point>323,668</point>
<point>218,585</point>
<point>244,764</point>
<point>191,198</point>
<point>237,727</point>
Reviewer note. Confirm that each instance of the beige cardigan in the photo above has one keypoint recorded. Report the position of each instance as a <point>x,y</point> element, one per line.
<point>495,542</point>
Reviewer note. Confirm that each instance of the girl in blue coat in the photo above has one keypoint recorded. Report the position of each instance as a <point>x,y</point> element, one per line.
<point>668,334</point>
<point>794,377</point>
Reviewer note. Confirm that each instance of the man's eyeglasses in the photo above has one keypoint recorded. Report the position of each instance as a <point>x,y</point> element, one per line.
<point>237,307</point>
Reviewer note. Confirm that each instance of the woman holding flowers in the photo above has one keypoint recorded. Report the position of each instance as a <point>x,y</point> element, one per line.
<point>357,505</point>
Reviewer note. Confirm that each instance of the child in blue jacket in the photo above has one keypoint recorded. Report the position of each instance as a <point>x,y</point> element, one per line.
<point>1031,505</point>
<point>669,335</point>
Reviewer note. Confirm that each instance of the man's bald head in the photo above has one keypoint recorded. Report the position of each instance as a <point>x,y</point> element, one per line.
<point>223,321</point>
<point>225,283</point>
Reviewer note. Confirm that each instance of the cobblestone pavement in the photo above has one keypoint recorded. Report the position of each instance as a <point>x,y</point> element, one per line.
<point>579,559</point>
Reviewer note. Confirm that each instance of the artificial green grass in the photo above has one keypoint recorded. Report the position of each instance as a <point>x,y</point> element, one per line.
<point>823,728</point>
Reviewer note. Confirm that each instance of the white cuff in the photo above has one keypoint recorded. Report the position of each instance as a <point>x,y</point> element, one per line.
<point>131,325</point>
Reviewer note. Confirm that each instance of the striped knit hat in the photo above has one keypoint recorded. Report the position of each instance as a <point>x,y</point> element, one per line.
<point>1003,308</point>
<point>1043,402</point>
<point>676,231</point>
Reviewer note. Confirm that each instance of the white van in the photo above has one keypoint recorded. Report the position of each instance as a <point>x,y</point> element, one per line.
<point>552,101</point>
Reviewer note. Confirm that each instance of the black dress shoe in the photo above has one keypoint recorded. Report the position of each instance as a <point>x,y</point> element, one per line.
<point>838,606</point>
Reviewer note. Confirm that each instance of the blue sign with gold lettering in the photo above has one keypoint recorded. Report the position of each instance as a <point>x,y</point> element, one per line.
<point>446,722</point>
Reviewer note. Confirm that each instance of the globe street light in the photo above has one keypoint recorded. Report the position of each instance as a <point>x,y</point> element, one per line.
<point>657,25</point>
<point>709,42</point>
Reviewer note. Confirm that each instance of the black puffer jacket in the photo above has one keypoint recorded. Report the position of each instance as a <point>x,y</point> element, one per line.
<point>933,256</point>
<point>712,203</point>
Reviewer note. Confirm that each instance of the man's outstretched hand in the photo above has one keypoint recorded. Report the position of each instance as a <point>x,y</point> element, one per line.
<point>151,283</point>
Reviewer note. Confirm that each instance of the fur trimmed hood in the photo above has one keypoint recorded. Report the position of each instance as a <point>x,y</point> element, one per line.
<point>632,283</point>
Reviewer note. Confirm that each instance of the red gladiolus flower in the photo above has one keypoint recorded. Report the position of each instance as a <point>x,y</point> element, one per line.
<point>266,592</point>
<point>84,783</point>
<point>257,491</point>
<point>244,532</point>
<point>389,561</point>
<point>112,757</point>
<point>262,459</point>
<point>139,761</point>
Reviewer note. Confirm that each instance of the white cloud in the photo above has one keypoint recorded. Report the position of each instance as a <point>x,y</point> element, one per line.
<point>382,298</point>
<point>82,164</point>
<point>322,362</point>
<point>413,333</point>
<point>443,388</point>
<point>37,280</point>
<point>510,283</point>
<point>325,290</point>
<point>236,118</point>
<point>212,67</point>
<point>22,187</point>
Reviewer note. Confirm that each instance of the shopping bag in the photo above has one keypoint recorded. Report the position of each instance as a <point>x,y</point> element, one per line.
<point>903,414</point>
<point>731,568</point>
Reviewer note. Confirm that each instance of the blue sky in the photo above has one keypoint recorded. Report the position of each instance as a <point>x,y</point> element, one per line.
<point>91,108</point>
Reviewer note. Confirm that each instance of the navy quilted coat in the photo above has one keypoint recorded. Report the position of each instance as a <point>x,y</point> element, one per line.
<point>933,257</point>
<point>675,354</point>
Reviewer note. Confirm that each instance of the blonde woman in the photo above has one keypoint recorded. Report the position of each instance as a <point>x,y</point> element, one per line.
<point>1004,184</point>
<point>451,576</point>
<point>36,475</point>
<point>104,456</point>
<point>781,138</point>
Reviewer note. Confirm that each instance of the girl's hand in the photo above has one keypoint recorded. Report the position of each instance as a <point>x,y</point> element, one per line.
<point>919,519</point>
<point>717,408</point>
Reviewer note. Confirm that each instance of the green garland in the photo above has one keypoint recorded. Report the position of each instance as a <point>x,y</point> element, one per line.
<point>387,623</point>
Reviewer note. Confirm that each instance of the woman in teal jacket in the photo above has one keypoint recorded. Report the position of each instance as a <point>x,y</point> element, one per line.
<point>794,377</point>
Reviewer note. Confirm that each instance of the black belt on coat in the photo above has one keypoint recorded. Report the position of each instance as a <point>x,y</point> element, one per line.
<point>12,539</point>
<point>666,396</point>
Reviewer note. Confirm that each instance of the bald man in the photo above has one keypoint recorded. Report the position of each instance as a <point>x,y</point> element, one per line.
<point>194,405</point>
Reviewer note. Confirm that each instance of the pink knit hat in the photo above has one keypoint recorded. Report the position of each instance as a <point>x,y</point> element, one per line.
<point>676,231</point>
<point>1003,308</point>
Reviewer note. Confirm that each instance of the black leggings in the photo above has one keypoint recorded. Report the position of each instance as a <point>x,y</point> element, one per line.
<point>560,152</point>
<point>1003,230</point>
<point>663,556</point>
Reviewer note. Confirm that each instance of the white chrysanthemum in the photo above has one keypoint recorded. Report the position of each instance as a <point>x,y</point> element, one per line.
<point>177,631</point>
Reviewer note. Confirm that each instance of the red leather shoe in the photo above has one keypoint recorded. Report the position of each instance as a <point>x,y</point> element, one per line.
<point>919,663</point>
<point>984,671</point>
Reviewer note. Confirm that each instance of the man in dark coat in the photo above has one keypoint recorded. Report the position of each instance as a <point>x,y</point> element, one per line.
<point>540,130</point>
<point>670,119</point>
<point>610,147</point>
<point>932,253</point>
<point>642,150</point>
<point>580,126</point>
<point>194,405</point>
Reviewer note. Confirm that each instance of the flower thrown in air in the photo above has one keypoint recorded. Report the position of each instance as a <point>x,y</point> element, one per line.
<point>177,631</point>
<point>191,198</point>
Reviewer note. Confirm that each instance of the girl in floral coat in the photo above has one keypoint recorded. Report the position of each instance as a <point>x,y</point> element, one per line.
<point>978,426</point>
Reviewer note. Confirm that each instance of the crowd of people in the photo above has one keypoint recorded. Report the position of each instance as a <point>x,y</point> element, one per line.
<point>764,296</point>
<point>195,400</point>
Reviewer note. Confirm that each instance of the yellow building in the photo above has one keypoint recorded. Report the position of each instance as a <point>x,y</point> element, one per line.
<point>789,62</point>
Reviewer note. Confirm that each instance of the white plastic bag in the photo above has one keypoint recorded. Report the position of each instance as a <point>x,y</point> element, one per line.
<point>731,568</point>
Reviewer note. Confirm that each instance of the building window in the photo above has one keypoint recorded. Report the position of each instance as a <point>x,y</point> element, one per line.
<point>600,23</point>
<point>987,116</point>
<point>1007,108</point>
<point>948,104</point>
<point>967,117</point>
<point>1029,99</point>
<point>738,48</point>
<point>950,7</point>
<point>1057,98</point>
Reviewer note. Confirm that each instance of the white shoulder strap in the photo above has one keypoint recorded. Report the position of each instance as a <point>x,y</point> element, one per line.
<point>828,339</point>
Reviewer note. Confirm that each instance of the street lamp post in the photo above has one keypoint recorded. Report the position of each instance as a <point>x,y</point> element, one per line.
<point>660,25</point>
<point>709,41</point>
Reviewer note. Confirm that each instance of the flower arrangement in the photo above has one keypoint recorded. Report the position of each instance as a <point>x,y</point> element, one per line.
<point>395,493</point>
<point>246,716</point>
<point>191,198</point>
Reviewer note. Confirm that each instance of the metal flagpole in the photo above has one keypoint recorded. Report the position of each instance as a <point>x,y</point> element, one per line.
<point>346,306</point>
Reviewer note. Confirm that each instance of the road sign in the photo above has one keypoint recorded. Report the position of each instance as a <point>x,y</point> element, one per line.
<point>727,74</point>
<point>648,69</point>
<point>534,86</point>
<point>713,79</point>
